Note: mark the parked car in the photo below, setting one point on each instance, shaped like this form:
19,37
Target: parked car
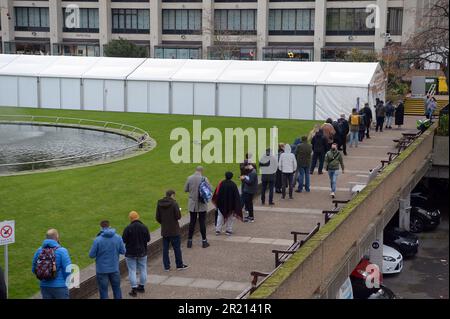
404,241
392,261
359,286
422,219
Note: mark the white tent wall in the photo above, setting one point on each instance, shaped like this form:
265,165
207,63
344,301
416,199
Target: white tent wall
290,102
252,100
71,94
182,98
50,92
137,96
93,94
159,97
332,101
28,91
204,98
229,99
9,95
114,95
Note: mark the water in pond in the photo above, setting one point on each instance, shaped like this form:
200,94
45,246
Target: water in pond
30,143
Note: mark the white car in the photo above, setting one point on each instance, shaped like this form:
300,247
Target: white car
392,261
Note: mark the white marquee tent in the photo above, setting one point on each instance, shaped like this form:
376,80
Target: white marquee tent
264,89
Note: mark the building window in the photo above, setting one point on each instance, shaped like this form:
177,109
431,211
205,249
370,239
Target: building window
231,52
235,21
288,54
130,21
80,20
31,19
395,21
178,53
291,22
336,54
181,21
348,21
76,49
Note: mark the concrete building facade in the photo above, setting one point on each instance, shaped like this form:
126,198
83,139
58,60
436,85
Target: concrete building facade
303,30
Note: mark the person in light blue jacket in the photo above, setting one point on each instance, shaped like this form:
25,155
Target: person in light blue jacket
106,249
57,287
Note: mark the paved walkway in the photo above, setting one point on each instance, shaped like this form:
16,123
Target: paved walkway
223,269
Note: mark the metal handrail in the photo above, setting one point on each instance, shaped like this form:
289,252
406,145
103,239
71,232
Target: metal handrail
145,136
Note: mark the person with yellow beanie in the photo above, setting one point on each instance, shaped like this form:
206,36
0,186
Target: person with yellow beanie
136,237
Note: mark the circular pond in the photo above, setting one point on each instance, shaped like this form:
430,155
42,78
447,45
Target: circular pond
42,146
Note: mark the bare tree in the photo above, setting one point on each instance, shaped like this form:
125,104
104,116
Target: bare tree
430,43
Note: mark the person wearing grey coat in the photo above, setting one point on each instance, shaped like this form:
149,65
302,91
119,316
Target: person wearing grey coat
196,206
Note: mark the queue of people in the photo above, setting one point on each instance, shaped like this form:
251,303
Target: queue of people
295,163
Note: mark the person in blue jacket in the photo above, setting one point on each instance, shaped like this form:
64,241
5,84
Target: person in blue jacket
106,249
55,288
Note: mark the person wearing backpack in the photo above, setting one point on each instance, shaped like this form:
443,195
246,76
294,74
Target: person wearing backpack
136,237
380,112
106,249
333,159
354,120
197,205
52,266
249,190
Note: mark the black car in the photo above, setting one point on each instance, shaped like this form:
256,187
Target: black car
424,219
404,241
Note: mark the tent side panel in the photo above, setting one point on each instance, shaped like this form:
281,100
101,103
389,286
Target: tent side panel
302,102
137,95
332,101
50,93
115,95
278,101
204,98
8,91
182,98
70,94
159,97
28,91
229,100
93,94
252,100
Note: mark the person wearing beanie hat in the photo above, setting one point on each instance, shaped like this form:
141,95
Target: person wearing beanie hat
136,237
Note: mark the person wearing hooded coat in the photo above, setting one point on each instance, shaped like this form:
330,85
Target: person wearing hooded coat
399,114
228,203
278,175
287,166
319,146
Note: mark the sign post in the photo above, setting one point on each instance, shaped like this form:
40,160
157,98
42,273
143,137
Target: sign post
7,236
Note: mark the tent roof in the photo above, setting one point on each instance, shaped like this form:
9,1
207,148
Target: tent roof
70,66
157,69
347,74
252,72
28,65
221,71
113,68
201,70
296,73
7,58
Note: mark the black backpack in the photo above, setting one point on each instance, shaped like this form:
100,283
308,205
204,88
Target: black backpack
46,264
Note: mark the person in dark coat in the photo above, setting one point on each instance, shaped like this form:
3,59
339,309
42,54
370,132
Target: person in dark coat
228,203
249,190
303,156
380,112
2,285
136,237
279,175
269,166
319,146
344,130
399,114
368,119
362,125
168,213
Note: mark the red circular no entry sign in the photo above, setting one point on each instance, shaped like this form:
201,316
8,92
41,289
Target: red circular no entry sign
6,231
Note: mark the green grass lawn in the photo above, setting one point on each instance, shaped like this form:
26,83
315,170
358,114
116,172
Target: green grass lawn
75,200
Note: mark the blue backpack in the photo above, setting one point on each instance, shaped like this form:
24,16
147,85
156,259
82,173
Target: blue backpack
204,191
